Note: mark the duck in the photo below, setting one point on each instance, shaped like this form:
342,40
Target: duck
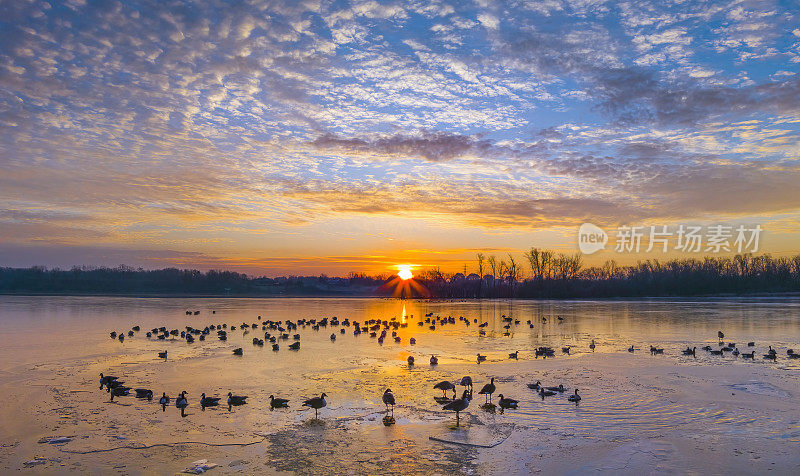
278,402
513,355
458,405
162,355
434,360
144,393
238,351
535,386
316,403
507,402
574,397
481,358
208,401
488,390
388,399
236,399
444,386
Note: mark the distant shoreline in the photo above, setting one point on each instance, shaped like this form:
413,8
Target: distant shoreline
363,296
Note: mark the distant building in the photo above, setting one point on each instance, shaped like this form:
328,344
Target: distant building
473,277
457,277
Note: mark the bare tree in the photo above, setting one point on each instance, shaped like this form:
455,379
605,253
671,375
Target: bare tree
480,258
492,260
534,262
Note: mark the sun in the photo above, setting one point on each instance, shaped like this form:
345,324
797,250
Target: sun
405,272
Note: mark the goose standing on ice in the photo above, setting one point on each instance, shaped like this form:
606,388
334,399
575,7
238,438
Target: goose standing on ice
488,390
458,406
388,399
316,403
163,401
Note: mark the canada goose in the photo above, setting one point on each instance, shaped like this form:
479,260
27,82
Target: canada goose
716,352
772,357
434,360
333,337
412,341
751,344
144,393
388,399
181,402
458,405
119,392
560,388
771,351
294,346
631,349
238,351
106,379
507,402
565,350
481,358
466,381
163,401
513,355
278,402
574,397
592,345
546,393
410,360
690,351
162,355
236,399
751,355
535,386
720,335
316,403
444,386
209,401
488,390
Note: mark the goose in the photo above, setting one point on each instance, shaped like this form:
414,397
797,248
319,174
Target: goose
513,355
106,379
119,392
794,356
434,360
276,347
481,358
236,399
238,351
163,401
278,402
707,348
294,346
592,345
535,386
631,349
113,384
720,335
488,390
412,341
771,351
560,388
181,402
388,399
790,352
565,350
333,337
574,397
316,403
735,352
690,351
772,357
458,405
162,355
751,355
144,393
507,402
751,344
546,393
444,386
208,401
410,360
466,381
716,352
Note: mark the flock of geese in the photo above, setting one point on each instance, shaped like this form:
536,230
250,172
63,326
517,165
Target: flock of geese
276,332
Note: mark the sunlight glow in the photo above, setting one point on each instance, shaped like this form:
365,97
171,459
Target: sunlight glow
405,272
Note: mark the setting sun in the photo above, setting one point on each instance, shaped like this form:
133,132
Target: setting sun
405,272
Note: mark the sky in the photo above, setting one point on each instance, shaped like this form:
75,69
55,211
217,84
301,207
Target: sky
310,137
